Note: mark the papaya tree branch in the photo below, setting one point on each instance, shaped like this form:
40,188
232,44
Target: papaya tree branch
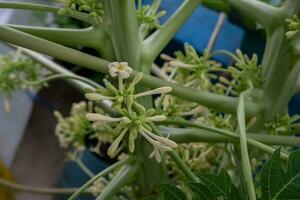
216,101
259,11
69,37
46,8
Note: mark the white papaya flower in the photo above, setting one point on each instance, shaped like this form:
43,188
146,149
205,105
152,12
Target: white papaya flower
119,69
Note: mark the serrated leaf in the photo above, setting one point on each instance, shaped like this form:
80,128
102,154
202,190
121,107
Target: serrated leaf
201,191
171,192
219,185
278,184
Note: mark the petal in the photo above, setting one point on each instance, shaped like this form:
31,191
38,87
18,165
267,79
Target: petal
113,71
131,142
123,74
113,147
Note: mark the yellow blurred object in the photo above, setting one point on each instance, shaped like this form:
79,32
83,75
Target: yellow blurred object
5,173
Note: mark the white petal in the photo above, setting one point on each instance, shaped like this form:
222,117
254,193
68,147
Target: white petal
99,117
113,72
157,118
97,97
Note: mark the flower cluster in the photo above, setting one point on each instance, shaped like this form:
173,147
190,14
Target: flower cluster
293,26
198,156
148,15
245,74
73,130
283,124
134,119
15,70
92,7
191,69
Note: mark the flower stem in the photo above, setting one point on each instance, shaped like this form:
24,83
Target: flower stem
65,76
36,190
125,173
226,133
179,162
99,175
246,166
84,168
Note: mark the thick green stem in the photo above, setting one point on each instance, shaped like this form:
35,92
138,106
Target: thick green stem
124,30
69,37
155,43
45,8
227,133
186,135
122,177
216,101
279,65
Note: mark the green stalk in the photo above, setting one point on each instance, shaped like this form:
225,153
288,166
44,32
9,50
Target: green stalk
84,168
216,101
279,65
185,135
245,161
44,8
69,37
36,190
226,133
108,170
124,30
56,68
65,76
182,166
179,162
79,85
121,178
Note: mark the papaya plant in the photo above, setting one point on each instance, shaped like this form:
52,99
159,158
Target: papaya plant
193,127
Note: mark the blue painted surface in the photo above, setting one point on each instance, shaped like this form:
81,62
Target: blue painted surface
73,176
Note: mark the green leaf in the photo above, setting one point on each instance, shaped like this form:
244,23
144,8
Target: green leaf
201,191
278,184
171,192
219,185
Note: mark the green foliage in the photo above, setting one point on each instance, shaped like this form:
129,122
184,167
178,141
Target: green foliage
278,184
275,183
219,185
172,192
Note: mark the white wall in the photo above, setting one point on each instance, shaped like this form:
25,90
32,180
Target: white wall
13,124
